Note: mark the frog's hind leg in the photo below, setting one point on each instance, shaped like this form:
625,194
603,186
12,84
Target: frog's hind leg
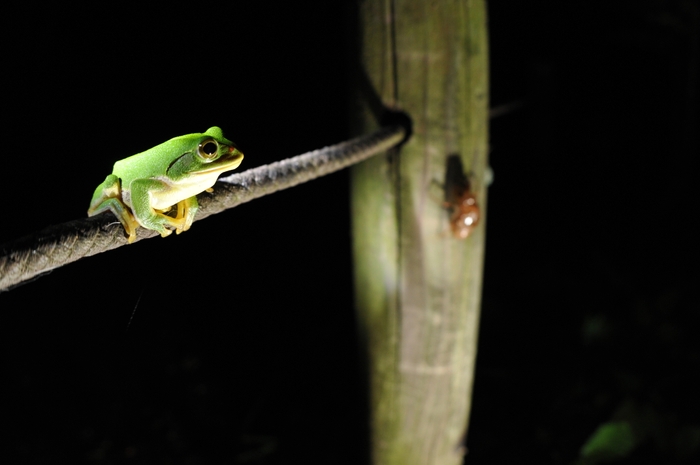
122,213
108,197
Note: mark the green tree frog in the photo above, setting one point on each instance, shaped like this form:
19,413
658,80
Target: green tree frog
157,188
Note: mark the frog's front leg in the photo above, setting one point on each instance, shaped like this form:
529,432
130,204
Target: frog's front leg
186,210
144,194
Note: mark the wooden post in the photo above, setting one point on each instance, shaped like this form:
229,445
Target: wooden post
418,287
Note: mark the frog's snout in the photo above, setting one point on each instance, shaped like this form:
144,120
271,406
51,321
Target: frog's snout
233,151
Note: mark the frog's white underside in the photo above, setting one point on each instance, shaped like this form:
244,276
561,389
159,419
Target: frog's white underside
182,189
177,191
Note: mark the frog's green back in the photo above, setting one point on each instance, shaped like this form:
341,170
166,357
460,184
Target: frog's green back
155,161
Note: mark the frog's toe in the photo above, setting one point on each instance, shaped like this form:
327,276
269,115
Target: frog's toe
179,227
184,226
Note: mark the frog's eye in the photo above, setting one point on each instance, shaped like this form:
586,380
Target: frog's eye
208,149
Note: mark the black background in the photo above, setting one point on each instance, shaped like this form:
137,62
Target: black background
242,346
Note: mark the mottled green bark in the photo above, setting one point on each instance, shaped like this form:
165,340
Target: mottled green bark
418,288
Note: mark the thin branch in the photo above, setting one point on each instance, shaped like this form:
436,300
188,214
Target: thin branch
32,256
